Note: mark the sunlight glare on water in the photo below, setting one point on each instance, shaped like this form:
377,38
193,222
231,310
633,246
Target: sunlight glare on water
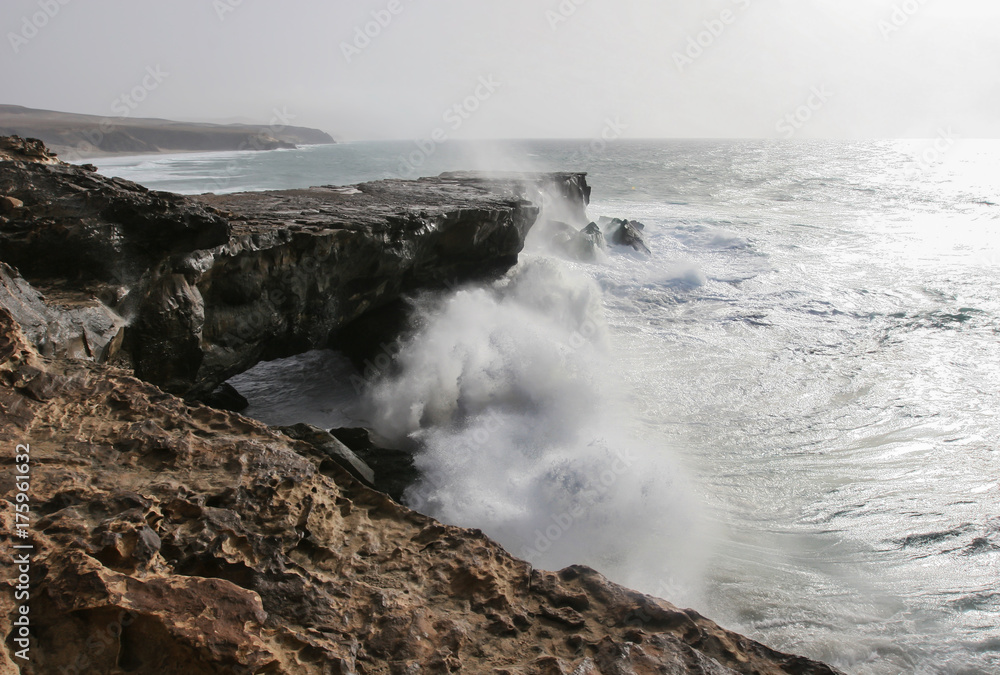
805,376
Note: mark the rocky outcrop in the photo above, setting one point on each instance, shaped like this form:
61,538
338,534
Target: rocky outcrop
625,233
175,539
585,245
327,444
166,537
394,470
66,323
211,286
104,235
302,264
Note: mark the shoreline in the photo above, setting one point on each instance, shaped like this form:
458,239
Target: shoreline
84,157
211,532
91,136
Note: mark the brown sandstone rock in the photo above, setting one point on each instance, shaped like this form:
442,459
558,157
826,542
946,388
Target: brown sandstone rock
178,539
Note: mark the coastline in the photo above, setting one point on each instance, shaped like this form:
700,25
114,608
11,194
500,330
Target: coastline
165,508
90,136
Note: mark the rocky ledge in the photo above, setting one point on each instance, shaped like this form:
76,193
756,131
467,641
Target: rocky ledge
168,537
205,288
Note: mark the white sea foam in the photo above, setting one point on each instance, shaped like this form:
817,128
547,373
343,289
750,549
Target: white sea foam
512,394
806,311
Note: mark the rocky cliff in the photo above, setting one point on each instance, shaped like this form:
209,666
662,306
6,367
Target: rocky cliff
166,537
212,286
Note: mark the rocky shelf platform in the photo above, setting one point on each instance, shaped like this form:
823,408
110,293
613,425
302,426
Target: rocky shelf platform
202,289
169,537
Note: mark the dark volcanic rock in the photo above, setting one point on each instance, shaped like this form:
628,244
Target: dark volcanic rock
394,469
303,264
625,233
585,244
225,397
593,232
563,194
213,285
171,539
327,444
100,232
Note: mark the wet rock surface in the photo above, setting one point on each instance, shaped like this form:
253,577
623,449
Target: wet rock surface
622,232
394,469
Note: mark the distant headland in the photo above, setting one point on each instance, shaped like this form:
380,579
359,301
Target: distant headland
75,136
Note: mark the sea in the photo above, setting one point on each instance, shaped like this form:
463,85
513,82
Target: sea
786,417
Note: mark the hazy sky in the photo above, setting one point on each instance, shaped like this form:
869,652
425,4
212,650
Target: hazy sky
575,68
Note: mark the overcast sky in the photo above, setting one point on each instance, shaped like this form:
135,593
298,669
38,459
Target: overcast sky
882,68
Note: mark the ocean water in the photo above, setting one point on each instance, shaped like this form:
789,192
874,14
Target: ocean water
787,417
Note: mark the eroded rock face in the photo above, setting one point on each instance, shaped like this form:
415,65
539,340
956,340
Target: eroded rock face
302,264
210,286
66,323
175,539
100,233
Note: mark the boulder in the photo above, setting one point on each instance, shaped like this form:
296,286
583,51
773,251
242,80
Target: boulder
584,245
594,234
328,445
225,397
394,469
10,205
625,233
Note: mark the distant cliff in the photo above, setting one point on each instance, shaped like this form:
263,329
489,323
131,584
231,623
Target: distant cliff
72,135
